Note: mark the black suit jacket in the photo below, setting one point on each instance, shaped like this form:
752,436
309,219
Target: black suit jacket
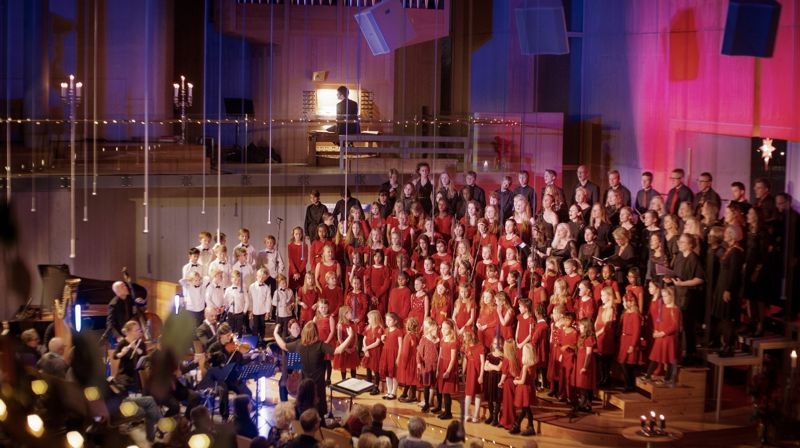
120,310
205,335
347,109
594,192
643,198
684,194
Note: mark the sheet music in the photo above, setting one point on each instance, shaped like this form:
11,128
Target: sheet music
663,271
355,385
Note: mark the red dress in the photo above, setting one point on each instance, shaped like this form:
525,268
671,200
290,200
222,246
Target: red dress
568,363
606,343
359,304
572,282
469,230
390,256
540,341
474,367
487,316
440,311
524,394
480,271
463,314
427,357
506,243
417,309
400,303
665,349
548,283
443,224
447,385
554,361
524,329
298,258
507,330
485,240
507,416
537,295
334,297
631,333
430,279
377,285
506,268
584,309
309,298
391,346
373,361
405,238
348,359
348,274
316,251
323,271
585,380
438,259
324,330
407,367
635,292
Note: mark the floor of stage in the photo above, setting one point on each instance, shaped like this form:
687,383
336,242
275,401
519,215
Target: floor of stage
554,426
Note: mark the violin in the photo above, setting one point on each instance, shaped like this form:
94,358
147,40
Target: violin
242,347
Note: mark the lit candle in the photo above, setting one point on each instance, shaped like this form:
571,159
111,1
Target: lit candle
652,420
63,90
191,86
78,89
176,86
794,359
644,422
663,421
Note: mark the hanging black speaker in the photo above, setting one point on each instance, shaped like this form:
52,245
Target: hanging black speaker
751,28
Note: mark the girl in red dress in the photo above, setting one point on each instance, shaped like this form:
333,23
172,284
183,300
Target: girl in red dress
584,307
298,258
584,378
492,282
325,326
666,336
473,356
390,354
604,329
470,219
308,295
572,275
525,393
593,275
407,368
447,370
332,293
440,303
459,234
551,274
318,244
429,275
524,325
560,296
487,320
510,264
445,275
509,240
359,305
400,298
463,253
371,349
540,341
569,343
464,311
420,253
378,279
404,231
348,359
536,292
635,290
485,261
395,248
429,230
609,280
505,315
327,264
484,238
427,357
420,304
443,222
355,269
512,290
509,369
630,353
441,254
375,220
554,356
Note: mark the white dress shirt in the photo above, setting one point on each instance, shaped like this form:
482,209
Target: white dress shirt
190,267
205,259
272,260
225,267
251,253
215,295
247,274
194,297
236,300
282,299
261,298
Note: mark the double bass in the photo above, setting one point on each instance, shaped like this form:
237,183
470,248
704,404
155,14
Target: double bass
150,322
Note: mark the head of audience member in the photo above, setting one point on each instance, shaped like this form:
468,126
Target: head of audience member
367,440
309,421
242,407
378,413
416,427
57,346
583,173
30,338
455,432
647,180
260,442
676,177
120,289
704,181
201,419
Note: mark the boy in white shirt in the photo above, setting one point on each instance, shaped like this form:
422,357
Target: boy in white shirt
244,268
283,301
193,265
206,253
215,292
221,263
244,242
270,258
261,300
237,303
194,295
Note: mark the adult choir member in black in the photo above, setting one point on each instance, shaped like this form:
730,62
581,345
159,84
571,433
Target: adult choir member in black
689,280
222,353
120,311
346,113
726,301
646,194
312,356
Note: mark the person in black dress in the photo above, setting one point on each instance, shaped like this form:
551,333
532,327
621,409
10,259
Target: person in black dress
757,251
726,305
424,188
312,355
688,281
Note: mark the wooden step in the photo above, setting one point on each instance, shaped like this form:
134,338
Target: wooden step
659,392
693,376
634,405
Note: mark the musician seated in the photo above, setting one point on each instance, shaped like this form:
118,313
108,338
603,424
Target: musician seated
128,352
206,333
166,382
223,353
31,350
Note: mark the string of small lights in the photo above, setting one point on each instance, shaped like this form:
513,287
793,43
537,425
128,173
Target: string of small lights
281,121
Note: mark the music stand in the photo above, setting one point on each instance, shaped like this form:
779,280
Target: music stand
351,387
255,371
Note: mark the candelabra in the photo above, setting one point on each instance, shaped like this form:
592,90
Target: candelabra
183,100
71,96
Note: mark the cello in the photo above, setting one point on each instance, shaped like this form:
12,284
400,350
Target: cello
150,322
